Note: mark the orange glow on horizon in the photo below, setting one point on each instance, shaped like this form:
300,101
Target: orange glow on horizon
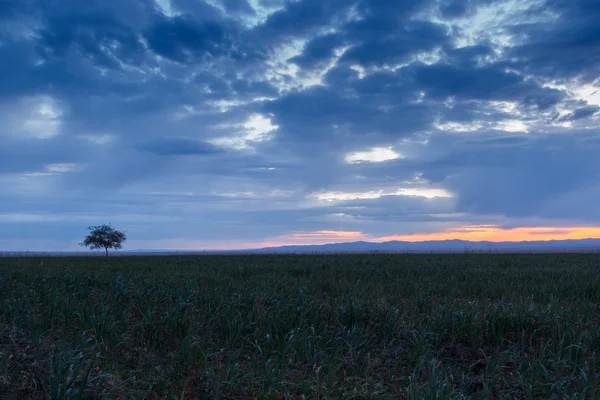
491,233
308,238
293,239
474,233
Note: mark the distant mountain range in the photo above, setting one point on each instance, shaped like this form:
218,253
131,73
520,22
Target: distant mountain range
452,246
437,246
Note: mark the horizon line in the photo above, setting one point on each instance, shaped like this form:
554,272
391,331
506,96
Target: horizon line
299,247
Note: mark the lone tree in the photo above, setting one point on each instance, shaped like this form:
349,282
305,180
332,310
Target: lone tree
104,237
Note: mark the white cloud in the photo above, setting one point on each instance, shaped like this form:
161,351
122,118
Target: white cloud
490,21
512,126
32,117
458,127
63,167
101,139
279,69
166,7
316,78
263,9
362,72
375,155
47,217
589,93
35,174
23,217
220,105
257,128
428,193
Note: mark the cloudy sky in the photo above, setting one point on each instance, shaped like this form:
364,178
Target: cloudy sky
214,124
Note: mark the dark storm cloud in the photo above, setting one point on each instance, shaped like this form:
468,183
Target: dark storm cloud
25,156
451,9
239,114
326,115
238,7
563,48
454,9
319,50
539,170
198,9
485,83
469,56
7,8
498,141
184,39
103,39
389,9
580,113
178,147
299,18
382,35
221,86
396,46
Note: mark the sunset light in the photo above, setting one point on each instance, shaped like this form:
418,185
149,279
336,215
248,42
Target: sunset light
300,199
491,233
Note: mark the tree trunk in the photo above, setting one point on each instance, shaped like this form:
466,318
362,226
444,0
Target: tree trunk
106,249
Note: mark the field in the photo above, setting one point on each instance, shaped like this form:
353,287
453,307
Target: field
478,326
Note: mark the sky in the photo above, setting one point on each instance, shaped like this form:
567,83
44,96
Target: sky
224,124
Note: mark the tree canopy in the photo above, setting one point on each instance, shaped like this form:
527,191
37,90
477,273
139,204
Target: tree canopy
104,237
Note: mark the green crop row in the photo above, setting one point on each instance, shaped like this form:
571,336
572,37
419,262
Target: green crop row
481,326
